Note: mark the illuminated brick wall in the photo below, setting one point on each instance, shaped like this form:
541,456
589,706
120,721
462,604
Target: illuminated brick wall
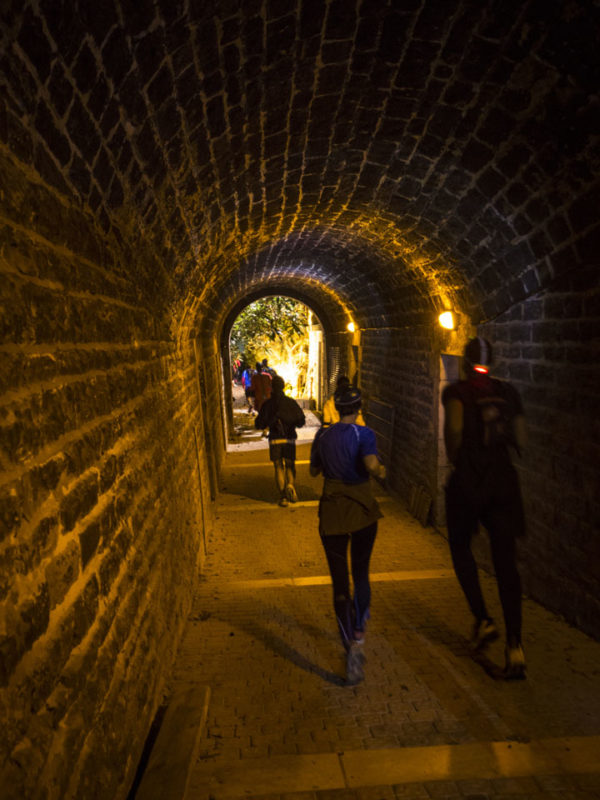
100,526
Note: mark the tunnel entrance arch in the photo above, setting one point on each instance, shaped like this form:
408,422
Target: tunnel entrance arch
285,333
321,354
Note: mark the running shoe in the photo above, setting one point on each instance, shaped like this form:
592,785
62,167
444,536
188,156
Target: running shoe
515,663
354,664
291,494
484,633
283,501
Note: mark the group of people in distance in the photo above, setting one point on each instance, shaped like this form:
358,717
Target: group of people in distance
483,422
257,384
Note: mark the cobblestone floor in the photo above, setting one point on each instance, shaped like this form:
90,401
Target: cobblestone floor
282,723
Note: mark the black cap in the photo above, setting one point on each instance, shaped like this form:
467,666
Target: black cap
348,400
479,351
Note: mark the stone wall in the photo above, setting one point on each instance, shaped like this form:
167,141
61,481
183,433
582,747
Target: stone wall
211,382
99,535
400,368
549,348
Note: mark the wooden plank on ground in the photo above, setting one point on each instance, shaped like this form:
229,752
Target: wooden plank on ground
176,748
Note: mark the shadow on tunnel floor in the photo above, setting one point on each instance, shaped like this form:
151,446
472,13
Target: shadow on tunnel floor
260,485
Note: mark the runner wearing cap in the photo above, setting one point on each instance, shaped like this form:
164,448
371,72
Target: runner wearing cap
330,413
346,454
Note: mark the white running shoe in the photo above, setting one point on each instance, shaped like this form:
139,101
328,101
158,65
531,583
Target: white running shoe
354,664
484,632
291,494
515,663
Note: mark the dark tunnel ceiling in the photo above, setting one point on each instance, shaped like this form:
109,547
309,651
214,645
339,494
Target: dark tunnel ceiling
399,154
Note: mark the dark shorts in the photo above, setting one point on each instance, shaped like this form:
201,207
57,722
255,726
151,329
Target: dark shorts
287,451
249,392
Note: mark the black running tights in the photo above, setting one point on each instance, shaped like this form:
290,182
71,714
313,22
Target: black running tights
462,523
351,613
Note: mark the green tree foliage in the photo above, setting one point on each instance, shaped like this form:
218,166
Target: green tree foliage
265,325
275,328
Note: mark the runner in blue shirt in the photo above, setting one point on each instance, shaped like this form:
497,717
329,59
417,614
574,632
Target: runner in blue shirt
346,454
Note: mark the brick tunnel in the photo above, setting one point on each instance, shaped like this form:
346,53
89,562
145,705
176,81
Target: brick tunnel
165,162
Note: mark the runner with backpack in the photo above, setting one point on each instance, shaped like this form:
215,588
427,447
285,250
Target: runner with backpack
282,415
483,422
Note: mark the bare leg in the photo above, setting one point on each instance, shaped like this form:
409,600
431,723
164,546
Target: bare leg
280,475
290,479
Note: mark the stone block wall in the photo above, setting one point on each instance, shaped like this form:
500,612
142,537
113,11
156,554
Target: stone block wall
99,489
211,381
548,346
400,368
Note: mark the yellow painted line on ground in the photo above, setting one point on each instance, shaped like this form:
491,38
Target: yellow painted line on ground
232,465
320,580
413,575
264,506
258,505
401,765
275,583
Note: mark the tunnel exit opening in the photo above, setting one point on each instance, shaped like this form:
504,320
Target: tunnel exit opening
273,331
288,335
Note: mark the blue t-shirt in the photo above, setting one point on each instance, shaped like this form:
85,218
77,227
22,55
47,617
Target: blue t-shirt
247,378
339,451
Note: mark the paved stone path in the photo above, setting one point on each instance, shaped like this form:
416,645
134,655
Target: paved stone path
427,722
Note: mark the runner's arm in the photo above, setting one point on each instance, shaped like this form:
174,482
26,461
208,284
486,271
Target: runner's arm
374,466
316,465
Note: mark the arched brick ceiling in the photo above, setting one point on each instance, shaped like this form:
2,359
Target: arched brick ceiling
328,270
398,154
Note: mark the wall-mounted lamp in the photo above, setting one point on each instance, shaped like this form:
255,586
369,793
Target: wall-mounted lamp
351,327
448,320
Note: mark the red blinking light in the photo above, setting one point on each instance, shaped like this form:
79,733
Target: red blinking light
481,369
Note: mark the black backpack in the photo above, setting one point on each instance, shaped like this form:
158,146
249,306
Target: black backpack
493,412
288,415
277,429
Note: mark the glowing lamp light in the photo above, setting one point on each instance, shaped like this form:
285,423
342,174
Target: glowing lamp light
351,327
447,320
481,368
